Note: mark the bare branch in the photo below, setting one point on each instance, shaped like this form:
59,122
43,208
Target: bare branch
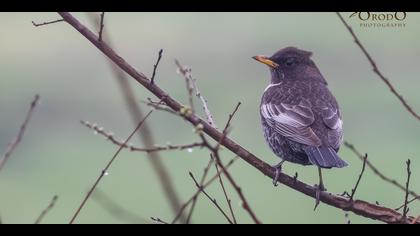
158,220
105,170
152,80
101,27
47,23
110,136
191,86
46,210
408,203
205,142
238,189
228,200
12,146
160,107
353,191
146,136
191,200
376,70
215,152
415,220
195,198
406,209
190,90
210,198
186,72
225,129
359,207
377,172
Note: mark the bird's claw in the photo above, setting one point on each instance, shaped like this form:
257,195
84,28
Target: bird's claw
276,178
318,188
278,168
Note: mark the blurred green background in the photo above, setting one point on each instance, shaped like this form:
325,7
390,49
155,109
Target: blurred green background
60,156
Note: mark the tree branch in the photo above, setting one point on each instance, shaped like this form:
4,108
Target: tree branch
359,207
353,191
245,204
194,201
406,209
47,23
186,72
46,210
228,200
146,136
191,200
158,220
211,199
101,27
377,172
12,146
105,170
152,80
110,136
376,70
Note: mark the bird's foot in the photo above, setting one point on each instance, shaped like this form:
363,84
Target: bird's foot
278,168
318,188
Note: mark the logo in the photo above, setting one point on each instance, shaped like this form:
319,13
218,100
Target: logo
380,19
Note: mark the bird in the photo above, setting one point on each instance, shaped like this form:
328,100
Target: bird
301,120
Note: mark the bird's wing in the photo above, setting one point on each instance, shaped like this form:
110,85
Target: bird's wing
292,121
332,119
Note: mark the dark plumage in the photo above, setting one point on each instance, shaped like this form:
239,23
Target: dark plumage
301,119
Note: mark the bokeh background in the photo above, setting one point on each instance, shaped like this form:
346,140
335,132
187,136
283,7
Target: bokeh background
58,156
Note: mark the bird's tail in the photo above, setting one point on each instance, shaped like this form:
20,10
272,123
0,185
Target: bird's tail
324,157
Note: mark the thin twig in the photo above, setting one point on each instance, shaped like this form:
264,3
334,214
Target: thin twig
203,178
152,80
158,220
228,200
160,107
191,86
408,203
105,170
115,209
146,136
46,210
359,207
101,26
190,90
186,72
215,151
210,198
110,136
195,195
415,220
12,146
47,23
376,70
225,129
407,185
353,191
377,172
238,189
205,143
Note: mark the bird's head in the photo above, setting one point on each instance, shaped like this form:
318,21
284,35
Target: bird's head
289,63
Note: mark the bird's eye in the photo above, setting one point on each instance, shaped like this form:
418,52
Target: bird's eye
290,61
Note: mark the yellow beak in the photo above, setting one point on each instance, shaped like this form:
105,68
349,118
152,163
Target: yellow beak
265,60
